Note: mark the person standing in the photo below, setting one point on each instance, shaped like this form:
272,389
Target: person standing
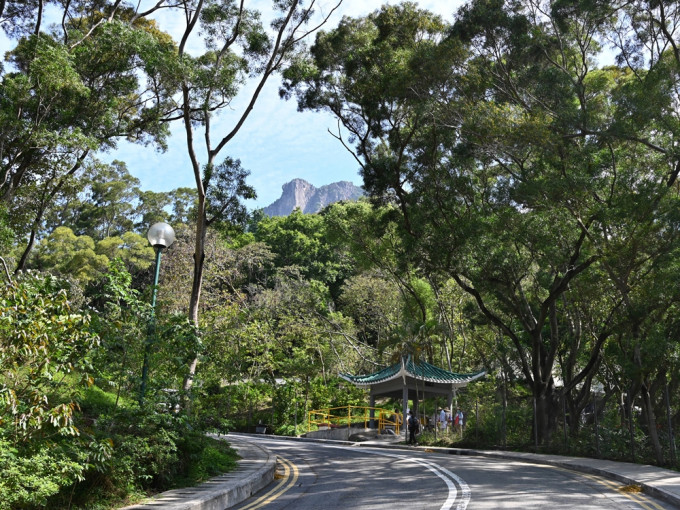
413,428
458,421
442,420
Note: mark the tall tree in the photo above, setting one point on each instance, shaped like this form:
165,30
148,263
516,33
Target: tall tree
506,162
107,204
237,46
302,241
74,90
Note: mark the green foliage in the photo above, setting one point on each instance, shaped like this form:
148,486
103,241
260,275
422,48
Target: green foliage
132,248
67,254
227,188
44,360
6,234
136,451
179,341
301,242
206,457
109,192
43,340
65,99
30,478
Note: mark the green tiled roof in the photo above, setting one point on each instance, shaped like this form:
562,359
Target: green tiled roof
421,370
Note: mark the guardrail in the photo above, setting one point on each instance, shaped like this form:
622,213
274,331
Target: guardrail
346,416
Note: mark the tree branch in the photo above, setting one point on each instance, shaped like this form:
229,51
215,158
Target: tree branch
7,275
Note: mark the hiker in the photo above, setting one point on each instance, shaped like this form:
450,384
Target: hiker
458,421
413,428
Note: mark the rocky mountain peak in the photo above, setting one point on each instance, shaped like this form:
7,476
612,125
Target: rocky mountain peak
300,194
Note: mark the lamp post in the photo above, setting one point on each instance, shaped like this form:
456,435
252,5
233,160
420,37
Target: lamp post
160,235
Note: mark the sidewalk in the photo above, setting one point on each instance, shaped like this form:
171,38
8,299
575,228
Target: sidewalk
255,470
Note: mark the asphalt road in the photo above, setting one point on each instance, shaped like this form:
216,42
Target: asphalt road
314,476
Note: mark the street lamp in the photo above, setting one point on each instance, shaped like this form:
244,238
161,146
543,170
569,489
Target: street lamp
160,235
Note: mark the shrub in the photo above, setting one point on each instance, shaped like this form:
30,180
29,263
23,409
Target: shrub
29,479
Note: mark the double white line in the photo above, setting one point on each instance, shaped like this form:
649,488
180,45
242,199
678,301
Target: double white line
290,476
450,479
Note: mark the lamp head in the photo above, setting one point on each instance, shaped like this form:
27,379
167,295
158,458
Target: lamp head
161,235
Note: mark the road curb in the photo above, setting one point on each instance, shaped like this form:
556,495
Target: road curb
255,470
578,464
572,465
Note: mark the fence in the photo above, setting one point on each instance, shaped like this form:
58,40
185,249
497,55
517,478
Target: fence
346,416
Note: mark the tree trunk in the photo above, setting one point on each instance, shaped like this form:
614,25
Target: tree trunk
651,425
546,414
199,260
194,303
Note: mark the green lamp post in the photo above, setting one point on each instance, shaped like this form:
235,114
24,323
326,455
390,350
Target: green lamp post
160,235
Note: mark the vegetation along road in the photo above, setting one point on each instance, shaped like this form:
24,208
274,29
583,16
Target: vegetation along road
520,161
315,476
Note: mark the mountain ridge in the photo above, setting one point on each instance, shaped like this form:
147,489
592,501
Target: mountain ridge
302,195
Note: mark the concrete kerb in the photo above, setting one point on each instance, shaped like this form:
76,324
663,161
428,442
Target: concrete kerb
608,469
255,470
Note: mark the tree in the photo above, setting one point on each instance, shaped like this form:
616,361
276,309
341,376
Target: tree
152,209
302,241
645,36
43,340
67,254
108,205
46,347
73,91
509,164
237,46
119,360
373,301
131,248
183,206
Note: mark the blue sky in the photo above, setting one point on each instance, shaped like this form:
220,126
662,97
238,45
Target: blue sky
276,144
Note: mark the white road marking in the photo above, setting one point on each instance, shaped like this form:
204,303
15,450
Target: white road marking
443,473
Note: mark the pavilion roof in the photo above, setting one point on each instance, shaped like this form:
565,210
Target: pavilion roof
418,370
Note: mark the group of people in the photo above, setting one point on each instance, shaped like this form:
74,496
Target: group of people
442,418
446,421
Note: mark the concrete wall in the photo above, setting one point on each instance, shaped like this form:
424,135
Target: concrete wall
339,434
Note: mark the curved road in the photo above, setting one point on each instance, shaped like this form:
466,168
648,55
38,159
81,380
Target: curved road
318,476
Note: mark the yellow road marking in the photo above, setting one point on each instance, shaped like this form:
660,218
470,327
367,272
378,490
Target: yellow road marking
637,497
634,496
287,481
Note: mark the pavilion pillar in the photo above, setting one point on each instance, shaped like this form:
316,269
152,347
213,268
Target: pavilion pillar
372,411
452,397
404,396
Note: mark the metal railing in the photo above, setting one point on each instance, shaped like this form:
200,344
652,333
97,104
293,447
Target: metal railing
346,416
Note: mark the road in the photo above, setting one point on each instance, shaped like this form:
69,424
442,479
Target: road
318,476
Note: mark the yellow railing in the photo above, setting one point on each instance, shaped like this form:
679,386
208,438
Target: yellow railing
334,417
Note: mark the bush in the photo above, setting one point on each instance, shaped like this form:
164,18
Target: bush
207,457
152,452
29,479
